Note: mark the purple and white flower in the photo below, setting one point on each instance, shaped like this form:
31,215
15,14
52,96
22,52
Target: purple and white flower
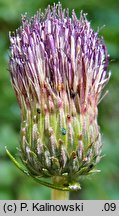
58,68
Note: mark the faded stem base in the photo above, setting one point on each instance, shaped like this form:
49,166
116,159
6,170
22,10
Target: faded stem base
58,194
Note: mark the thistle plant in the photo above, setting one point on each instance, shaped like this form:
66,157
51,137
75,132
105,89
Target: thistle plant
58,68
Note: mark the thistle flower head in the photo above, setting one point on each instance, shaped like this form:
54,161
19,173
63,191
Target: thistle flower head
58,68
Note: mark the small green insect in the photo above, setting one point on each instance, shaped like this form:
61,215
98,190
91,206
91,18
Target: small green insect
63,131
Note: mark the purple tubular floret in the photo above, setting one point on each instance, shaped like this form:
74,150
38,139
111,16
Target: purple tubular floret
54,48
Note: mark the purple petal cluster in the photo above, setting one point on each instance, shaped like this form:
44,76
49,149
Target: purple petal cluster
61,53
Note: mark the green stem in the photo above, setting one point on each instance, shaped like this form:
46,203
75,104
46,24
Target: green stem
58,194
